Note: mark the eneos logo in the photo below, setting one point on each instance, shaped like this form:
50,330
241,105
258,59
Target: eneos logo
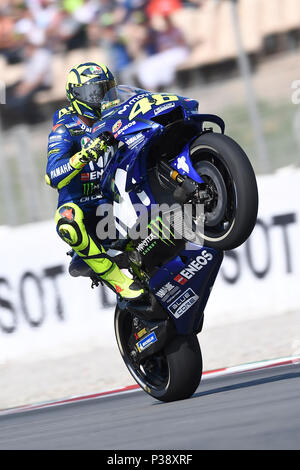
193,267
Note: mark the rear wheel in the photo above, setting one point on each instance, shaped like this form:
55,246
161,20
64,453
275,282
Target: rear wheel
170,374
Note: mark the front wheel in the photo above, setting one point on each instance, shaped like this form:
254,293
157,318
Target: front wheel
170,374
231,205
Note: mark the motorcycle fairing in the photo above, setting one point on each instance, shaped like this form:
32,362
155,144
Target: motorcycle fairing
132,156
137,128
185,298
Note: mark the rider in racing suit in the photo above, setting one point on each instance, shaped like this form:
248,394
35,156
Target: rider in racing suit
75,164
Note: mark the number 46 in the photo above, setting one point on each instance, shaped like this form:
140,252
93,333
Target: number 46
144,105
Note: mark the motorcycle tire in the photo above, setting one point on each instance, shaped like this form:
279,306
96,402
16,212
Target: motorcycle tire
231,214
171,374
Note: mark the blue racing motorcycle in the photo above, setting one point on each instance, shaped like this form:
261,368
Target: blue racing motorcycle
170,156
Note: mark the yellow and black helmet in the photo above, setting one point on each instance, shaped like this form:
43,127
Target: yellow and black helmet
91,88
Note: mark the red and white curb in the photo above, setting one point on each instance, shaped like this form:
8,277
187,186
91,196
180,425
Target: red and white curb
132,388
283,361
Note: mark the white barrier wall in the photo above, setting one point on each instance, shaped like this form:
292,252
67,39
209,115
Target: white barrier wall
261,278
45,312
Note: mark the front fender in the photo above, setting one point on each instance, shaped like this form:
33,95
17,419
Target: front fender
200,119
183,164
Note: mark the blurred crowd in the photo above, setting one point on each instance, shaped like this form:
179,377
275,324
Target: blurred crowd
141,42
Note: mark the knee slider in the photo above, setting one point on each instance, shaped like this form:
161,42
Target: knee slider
69,217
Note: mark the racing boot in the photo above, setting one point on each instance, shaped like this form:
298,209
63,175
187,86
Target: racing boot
127,288
110,273
70,226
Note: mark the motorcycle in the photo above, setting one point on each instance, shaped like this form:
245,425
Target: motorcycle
168,153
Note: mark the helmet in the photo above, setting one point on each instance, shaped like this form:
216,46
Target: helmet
91,88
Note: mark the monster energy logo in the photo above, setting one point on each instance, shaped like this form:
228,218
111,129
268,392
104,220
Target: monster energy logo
146,245
158,230
161,230
89,189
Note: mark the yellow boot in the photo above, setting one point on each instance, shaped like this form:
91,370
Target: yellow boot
122,284
71,228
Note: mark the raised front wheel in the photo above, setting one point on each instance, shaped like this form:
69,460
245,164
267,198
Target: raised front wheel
231,203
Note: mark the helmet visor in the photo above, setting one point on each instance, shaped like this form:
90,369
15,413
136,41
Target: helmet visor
95,93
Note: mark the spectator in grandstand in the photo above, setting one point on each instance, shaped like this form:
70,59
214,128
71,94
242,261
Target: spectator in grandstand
43,12
130,6
36,77
11,40
158,71
162,7
70,34
137,36
64,23
106,32
8,40
86,13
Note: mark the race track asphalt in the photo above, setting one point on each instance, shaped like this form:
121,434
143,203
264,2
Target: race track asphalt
258,409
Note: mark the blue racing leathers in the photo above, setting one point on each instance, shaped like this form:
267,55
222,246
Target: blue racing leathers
78,187
79,190
69,134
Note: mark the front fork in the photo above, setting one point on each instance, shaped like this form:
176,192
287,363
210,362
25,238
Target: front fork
185,186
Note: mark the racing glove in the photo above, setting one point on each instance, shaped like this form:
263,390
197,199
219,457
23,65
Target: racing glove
88,153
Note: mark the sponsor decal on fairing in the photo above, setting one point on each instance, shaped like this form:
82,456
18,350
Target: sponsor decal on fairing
146,342
183,303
